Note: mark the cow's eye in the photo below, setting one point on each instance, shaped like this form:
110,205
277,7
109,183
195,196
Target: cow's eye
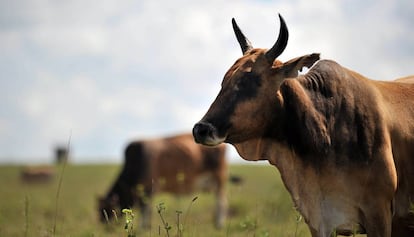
247,86
243,83
249,80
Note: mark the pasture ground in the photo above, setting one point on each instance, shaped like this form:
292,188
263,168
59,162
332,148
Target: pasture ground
260,206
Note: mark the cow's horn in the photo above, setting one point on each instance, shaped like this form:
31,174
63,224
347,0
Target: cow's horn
243,41
281,42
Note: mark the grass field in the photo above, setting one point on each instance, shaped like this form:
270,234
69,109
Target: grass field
260,206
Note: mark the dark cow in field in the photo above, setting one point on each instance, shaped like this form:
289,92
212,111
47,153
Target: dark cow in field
174,164
342,143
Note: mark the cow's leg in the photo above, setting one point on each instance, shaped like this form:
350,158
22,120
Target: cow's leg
146,214
321,233
378,203
378,221
144,203
221,209
220,215
314,233
403,226
324,230
126,197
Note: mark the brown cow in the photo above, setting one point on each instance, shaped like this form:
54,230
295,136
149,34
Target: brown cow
342,143
37,174
174,164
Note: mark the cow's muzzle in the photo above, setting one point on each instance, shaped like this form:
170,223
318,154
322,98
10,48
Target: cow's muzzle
206,134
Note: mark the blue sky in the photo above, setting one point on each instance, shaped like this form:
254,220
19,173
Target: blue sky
102,73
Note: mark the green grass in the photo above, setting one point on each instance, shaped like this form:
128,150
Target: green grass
259,207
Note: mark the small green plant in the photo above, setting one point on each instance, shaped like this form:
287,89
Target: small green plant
411,208
298,220
264,233
179,223
354,232
160,209
180,227
334,234
129,222
248,224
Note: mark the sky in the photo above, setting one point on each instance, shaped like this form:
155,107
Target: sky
94,75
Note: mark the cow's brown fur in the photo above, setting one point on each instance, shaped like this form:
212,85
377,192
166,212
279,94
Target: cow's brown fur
174,164
343,143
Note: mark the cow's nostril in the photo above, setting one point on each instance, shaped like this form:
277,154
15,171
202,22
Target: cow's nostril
201,131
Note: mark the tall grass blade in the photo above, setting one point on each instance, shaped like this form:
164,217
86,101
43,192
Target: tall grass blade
26,215
60,186
188,210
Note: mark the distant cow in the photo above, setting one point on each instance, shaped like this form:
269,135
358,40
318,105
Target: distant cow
343,144
37,174
174,164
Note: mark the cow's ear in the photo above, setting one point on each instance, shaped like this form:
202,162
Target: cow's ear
291,67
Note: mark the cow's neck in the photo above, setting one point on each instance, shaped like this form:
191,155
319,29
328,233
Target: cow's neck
254,149
295,173
276,153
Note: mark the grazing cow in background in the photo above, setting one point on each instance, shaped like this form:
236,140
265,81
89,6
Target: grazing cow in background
174,164
342,143
37,174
